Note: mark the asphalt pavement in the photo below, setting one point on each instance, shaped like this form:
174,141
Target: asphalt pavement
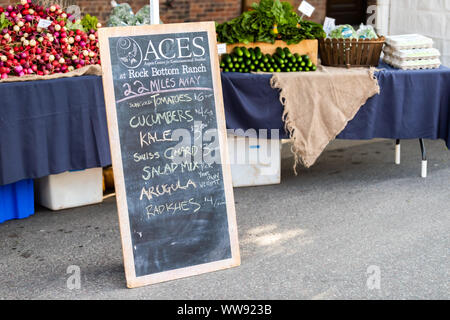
354,226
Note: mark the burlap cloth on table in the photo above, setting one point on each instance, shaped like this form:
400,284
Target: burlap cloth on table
318,105
95,70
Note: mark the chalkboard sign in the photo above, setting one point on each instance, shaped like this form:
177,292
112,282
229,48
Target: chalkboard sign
168,143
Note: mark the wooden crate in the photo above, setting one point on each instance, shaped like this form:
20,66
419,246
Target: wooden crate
351,52
309,47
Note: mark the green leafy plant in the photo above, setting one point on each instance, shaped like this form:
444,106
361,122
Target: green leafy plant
89,22
75,25
268,21
4,22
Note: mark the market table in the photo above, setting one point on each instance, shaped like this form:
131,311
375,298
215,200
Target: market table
412,104
52,126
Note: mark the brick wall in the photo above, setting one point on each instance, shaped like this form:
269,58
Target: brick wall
179,11
430,18
191,10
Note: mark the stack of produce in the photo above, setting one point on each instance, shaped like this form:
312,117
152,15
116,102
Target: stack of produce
346,47
346,31
26,49
253,60
411,51
269,20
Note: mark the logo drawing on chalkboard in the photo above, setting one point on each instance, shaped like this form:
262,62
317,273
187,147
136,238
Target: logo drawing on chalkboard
129,53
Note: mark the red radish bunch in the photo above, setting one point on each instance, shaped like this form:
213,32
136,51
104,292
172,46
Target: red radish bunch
26,49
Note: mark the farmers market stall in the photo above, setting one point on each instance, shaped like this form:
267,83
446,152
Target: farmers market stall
412,104
52,126
315,103
47,126
65,128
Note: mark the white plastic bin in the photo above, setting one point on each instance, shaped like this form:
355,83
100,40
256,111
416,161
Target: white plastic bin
254,162
70,189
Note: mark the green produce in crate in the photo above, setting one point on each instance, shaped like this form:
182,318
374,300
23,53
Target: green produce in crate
268,21
345,31
246,60
280,52
246,53
238,51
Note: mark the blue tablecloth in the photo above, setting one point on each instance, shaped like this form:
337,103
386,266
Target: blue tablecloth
412,104
52,126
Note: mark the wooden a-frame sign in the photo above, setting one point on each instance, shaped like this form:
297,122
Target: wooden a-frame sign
176,219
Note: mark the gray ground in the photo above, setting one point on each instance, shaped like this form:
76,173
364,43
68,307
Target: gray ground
315,236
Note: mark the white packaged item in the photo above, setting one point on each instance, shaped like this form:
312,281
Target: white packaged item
366,32
409,41
413,54
254,161
70,189
411,64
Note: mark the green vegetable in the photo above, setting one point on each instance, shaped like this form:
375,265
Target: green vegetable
248,62
122,15
238,51
280,52
89,22
258,25
345,31
366,32
4,22
287,52
277,60
76,25
227,58
246,52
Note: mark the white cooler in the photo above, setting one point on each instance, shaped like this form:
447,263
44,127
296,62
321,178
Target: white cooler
254,162
70,189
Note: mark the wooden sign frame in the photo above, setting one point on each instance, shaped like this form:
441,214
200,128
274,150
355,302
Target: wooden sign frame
124,222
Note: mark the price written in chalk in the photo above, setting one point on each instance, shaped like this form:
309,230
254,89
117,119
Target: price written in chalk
306,9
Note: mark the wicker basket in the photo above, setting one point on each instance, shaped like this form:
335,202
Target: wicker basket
350,53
